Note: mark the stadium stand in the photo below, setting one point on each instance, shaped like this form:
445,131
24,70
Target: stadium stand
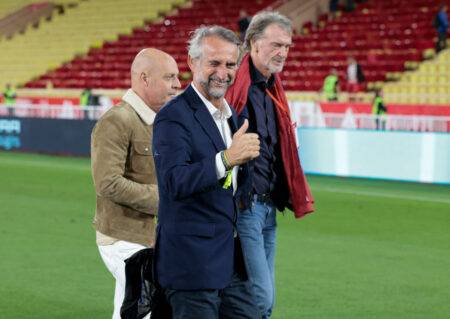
381,37
108,66
384,39
83,52
430,83
35,52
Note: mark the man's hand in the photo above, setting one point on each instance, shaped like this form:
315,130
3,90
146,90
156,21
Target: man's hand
244,147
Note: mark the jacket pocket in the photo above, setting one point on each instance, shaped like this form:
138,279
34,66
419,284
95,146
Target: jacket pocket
141,159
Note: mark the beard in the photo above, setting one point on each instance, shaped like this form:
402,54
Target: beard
276,65
216,92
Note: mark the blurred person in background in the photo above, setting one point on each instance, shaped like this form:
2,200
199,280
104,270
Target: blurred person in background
123,167
350,5
331,86
333,7
379,109
355,77
441,24
9,97
243,22
276,179
85,98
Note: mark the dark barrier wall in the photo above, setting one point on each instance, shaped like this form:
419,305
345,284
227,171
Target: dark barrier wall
51,136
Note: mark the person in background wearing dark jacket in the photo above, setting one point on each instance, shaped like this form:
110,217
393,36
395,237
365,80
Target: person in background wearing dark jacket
355,77
441,25
333,7
276,178
243,22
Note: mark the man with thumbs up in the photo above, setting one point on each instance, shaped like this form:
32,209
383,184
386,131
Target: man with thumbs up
200,155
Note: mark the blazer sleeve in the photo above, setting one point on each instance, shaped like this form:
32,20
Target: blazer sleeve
109,149
181,170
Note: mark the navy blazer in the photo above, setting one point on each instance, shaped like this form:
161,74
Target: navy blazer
196,215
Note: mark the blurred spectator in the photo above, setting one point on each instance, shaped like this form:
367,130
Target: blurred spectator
86,97
441,24
333,6
9,96
355,77
331,86
350,5
379,109
243,23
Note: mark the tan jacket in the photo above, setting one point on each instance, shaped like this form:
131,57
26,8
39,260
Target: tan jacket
124,172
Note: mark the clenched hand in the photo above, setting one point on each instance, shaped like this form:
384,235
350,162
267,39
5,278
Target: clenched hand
244,146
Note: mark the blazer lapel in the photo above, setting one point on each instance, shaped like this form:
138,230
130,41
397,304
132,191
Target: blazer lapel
204,118
232,122
209,126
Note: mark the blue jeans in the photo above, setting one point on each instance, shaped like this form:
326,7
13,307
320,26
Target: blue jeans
257,230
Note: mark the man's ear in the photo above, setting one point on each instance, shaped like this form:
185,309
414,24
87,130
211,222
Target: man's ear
191,63
144,77
254,45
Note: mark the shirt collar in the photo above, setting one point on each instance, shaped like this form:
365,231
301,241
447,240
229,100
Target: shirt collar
258,78
142,109
214,111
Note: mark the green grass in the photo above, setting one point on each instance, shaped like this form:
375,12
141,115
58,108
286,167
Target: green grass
373,249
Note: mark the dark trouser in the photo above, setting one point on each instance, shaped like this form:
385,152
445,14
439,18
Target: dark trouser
380,123
233,302
442,41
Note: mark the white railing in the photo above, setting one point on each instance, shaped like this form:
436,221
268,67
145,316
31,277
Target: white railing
309,116
416,123
68,111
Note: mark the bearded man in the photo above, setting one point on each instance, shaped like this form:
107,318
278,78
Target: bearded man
200,152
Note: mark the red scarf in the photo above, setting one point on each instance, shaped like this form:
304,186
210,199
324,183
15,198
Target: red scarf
237,94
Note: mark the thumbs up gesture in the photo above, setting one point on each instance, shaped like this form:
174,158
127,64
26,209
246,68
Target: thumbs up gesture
244,146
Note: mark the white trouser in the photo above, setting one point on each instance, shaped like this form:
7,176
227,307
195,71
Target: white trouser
114,258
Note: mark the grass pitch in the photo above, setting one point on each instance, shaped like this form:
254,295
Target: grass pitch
373,249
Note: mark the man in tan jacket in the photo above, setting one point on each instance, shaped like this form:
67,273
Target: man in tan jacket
123,168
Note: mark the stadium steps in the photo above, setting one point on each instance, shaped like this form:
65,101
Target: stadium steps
429,84
29,15
87,25
10,6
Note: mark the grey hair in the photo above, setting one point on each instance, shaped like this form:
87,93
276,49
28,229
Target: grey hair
261,21
195,43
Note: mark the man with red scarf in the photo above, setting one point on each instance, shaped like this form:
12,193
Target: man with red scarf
276,177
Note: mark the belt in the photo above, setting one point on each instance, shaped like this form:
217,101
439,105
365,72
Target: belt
262,198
